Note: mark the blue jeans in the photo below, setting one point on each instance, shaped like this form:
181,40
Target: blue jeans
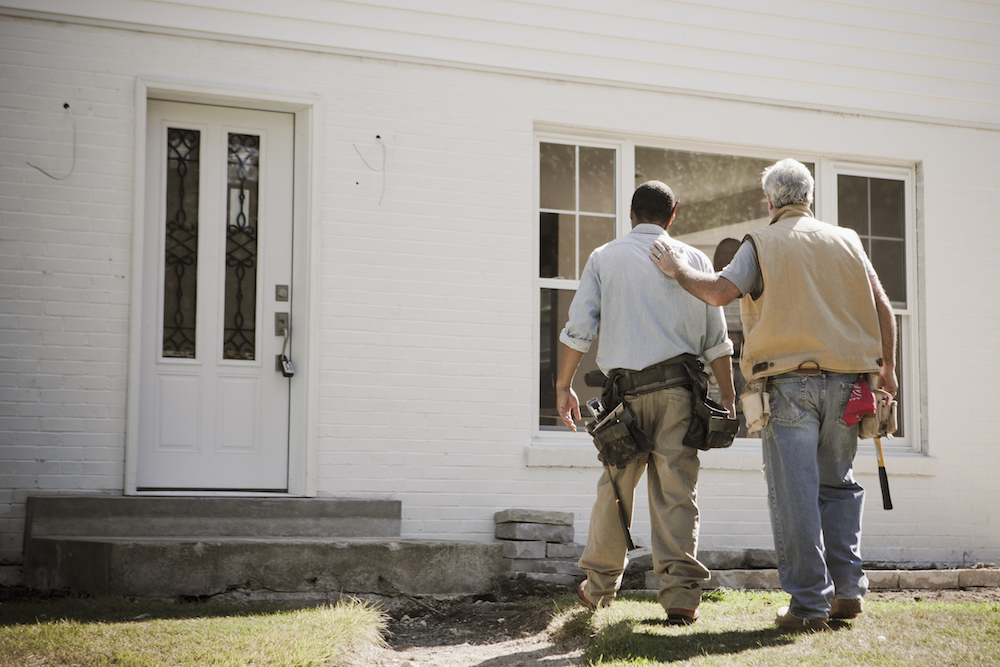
814,501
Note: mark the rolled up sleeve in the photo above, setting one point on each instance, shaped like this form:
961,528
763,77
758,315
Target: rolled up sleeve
584,312
717,335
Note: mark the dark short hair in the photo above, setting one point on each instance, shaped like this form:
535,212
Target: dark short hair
653,201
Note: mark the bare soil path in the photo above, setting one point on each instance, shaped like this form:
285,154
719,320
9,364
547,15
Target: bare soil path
508,630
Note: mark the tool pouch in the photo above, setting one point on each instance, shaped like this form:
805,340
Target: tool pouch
755,403
883,422
618,438
711,426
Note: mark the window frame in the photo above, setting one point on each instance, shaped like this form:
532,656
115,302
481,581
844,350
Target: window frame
622,226
906,316
825,207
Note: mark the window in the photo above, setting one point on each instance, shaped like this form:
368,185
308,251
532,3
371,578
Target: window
720,201
874,204
577,213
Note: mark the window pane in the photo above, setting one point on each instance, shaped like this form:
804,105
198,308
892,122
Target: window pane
588,380
875,208
887,208
241,247
720,195
594,232
557,177
597,180
852,204
889,260
557,246
180,278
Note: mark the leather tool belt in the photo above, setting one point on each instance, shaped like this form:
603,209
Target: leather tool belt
616,432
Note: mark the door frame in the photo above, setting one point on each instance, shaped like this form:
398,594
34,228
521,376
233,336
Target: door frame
302,419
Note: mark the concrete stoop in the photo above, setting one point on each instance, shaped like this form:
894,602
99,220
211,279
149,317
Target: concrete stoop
257,548
261,569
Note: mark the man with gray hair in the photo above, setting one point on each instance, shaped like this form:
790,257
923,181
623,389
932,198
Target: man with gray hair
815,319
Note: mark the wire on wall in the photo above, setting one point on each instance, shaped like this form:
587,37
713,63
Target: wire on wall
72,166
378,138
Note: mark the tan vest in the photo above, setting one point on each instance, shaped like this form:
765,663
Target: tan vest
817,309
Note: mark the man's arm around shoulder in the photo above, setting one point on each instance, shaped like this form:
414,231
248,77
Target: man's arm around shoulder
711,288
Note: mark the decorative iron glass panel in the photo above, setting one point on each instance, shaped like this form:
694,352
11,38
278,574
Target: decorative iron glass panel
241,247
180,278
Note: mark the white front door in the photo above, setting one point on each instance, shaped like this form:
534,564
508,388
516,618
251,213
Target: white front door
217,294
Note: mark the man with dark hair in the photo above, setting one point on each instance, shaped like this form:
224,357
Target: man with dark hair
649,328
815,319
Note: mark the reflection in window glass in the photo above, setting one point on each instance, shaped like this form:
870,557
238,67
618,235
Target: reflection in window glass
589,378
720,201
557,245
874,208
594,232
597,180
557,176
569,233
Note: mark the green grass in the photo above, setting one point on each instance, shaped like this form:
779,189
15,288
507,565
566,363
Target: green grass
126,633
737,628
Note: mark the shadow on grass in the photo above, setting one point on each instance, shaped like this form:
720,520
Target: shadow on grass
631,640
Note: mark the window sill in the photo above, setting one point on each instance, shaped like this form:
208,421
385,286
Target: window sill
574,452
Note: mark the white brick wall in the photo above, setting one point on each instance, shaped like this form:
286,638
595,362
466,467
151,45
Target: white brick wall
426,299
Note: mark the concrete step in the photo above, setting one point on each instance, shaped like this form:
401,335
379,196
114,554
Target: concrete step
300,568
119,516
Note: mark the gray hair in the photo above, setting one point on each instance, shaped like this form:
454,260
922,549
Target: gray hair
787,182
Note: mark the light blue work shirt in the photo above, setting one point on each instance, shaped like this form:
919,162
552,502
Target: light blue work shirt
644,317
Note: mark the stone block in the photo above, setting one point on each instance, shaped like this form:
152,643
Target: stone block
547,565
883,579
534,516
979,577
745,579
721,559
517,549
558,579
928,579
560,550
760,559
534,531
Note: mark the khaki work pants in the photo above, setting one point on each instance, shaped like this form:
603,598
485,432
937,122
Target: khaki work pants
672,480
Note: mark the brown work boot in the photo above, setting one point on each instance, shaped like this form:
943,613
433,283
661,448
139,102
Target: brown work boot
677,616
582,596
786,621
845,608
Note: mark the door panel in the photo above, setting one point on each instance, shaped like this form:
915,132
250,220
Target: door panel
213,405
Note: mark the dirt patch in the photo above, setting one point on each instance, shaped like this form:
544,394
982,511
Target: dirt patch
511,628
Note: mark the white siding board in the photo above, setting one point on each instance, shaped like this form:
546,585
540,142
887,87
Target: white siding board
937,59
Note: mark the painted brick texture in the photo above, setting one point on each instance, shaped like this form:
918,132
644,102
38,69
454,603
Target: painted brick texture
426,295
